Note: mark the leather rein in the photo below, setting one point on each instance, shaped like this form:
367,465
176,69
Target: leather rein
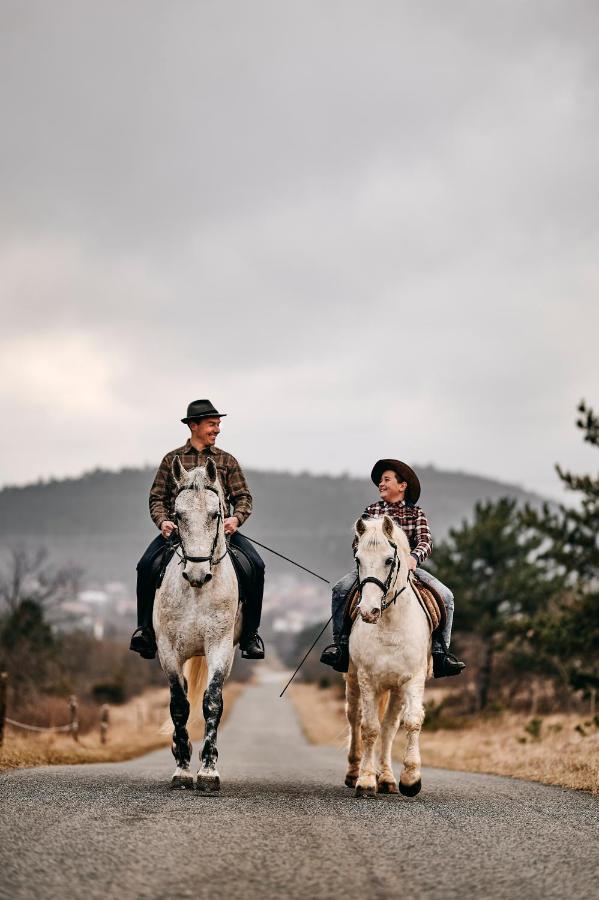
383,585
184,557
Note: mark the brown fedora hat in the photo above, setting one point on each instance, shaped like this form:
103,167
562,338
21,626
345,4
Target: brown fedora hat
201,409
403,471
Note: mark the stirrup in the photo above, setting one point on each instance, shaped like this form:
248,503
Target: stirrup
143,641
253,648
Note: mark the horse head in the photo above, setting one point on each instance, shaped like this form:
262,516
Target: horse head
381,559
198,515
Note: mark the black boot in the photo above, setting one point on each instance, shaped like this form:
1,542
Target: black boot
337,655
252,647
143,641
445,663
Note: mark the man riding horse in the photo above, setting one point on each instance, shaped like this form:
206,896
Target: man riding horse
399,488
204,424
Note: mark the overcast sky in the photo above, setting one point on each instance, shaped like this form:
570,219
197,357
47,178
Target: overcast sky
362,229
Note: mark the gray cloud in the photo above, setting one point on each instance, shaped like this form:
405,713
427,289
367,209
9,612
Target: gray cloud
363,228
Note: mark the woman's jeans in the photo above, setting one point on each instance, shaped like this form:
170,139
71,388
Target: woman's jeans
345,584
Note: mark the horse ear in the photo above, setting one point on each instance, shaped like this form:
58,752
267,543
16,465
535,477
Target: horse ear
388,527
178,471
211,470
360,527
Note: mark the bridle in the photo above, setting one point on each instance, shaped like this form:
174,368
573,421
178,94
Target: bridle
184,557
383,585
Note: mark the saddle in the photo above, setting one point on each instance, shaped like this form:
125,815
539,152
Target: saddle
245,571
430,601
244,568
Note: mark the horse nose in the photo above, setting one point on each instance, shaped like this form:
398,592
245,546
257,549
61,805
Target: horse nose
375,612
185,576
207,578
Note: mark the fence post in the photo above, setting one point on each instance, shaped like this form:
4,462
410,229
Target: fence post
74,707
3,684
104,720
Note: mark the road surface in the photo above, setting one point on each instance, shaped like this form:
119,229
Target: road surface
285,826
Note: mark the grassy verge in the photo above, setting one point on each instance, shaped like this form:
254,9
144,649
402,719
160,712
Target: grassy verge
559,749
134,729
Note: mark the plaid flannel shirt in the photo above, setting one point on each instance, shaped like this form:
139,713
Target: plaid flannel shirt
232,479
413,521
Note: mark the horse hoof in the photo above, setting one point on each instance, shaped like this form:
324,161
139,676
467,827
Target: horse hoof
410,790
367,793
182,782
350,781
387,787
208,784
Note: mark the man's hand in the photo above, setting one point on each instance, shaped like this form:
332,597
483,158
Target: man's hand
412,564
167,528
231,525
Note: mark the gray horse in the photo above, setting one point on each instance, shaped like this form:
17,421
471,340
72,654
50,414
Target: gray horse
197,619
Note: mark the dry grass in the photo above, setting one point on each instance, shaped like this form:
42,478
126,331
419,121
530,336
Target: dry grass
134,729
565,752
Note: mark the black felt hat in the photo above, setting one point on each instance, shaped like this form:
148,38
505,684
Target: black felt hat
201,409
403,471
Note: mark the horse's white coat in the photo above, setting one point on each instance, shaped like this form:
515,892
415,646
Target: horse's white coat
196,614
390,661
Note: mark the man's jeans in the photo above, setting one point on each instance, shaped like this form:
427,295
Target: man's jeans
345,584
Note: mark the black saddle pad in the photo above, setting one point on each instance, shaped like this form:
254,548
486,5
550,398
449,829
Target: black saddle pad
244,569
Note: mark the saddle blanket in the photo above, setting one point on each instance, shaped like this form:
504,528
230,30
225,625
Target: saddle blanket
431,602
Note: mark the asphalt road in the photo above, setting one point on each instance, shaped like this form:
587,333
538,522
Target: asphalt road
285,826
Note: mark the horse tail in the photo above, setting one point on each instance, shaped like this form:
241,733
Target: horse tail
196,673
383,701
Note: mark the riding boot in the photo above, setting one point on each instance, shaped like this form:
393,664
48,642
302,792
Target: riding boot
336,655
445,663
143,640
250,643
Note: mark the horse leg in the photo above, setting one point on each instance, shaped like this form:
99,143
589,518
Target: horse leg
386,780
353,711
182,777
218,669
370,727
410,778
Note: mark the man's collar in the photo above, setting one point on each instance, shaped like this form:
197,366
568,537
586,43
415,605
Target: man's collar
189,448
396,503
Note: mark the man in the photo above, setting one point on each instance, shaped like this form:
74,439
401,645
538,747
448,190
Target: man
399,488
204,424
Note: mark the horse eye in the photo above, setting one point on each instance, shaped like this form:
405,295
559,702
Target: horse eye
389,561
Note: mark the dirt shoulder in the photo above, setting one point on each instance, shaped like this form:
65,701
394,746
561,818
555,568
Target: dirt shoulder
555,749
134,729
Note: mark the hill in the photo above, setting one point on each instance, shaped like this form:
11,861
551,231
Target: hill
100,521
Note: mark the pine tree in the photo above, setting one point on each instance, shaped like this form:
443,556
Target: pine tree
491,566
568,636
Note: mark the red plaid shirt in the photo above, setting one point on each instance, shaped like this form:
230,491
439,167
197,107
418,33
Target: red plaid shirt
413,521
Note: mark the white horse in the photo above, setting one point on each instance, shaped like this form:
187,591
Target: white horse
389,647
197,619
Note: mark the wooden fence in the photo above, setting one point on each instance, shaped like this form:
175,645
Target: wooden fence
71,727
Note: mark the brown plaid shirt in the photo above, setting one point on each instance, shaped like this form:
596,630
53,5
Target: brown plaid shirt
232,479
413,521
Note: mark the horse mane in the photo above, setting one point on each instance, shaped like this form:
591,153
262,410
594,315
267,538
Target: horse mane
375,538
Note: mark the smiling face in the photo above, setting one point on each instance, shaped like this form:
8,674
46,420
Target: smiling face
204,432
391,488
